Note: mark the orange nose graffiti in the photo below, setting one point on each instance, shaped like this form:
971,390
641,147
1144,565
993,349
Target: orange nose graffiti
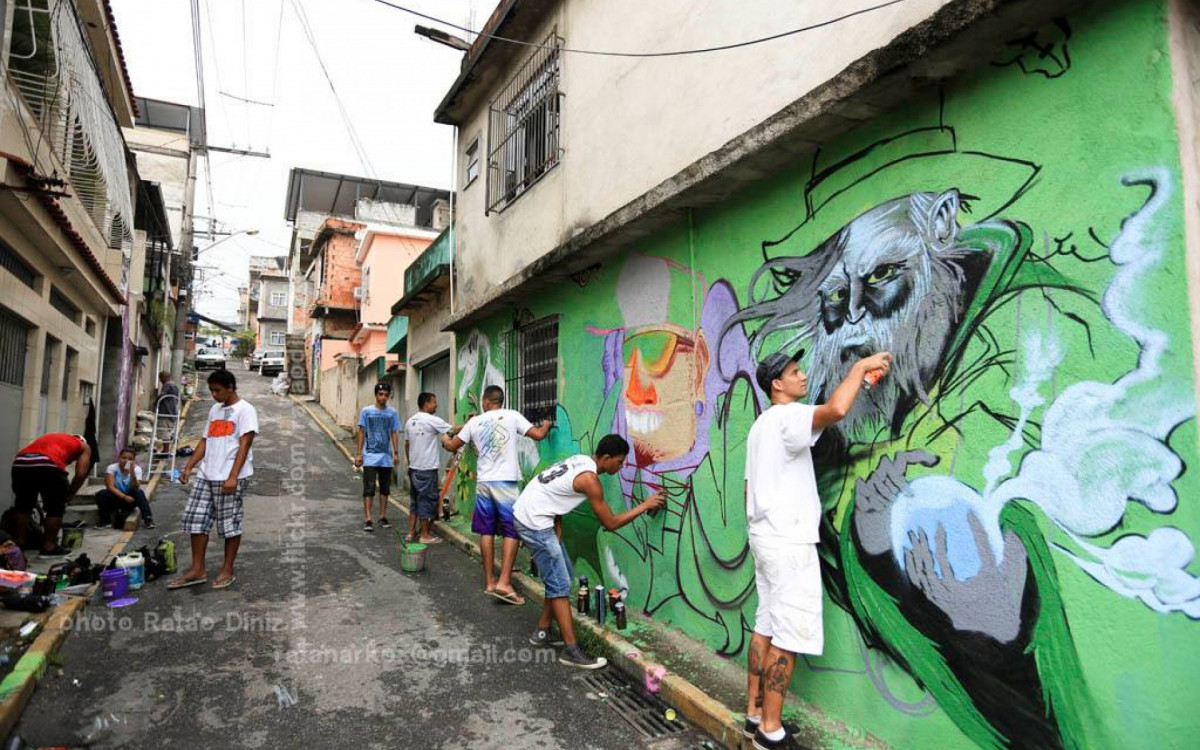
637,394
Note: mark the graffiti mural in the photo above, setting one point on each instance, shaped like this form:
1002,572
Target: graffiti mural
1009,535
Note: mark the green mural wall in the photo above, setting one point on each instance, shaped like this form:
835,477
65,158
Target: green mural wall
1009,537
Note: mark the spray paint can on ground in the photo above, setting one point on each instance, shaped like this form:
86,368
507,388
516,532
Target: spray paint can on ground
581,600
619,614
598,595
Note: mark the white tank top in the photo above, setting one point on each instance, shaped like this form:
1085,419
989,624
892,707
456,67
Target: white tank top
552,493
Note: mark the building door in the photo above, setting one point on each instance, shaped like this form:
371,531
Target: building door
14,339
435,379
49,357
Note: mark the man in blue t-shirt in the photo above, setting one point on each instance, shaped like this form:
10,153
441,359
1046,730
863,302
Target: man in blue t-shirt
378,451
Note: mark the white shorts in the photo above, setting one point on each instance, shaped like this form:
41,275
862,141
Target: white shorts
788,580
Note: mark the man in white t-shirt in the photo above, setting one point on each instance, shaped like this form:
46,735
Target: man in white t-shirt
783,511
538,516
494,435
226,464
422,439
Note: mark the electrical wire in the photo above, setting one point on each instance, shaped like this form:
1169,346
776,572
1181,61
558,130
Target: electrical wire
672,53
355,141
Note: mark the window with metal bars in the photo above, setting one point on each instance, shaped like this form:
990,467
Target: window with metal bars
11,262
60,302
523,127
14,339
531,368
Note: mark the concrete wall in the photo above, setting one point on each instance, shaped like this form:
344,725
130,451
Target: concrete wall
615,153
339,391
1009,525
427,342
271,285
383,259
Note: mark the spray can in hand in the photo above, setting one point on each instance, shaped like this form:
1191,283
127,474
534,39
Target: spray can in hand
581,600
871,378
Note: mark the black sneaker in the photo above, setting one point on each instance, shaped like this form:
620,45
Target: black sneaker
573,656
149,523
546,638
56,552
785,743
385,523
749,728
103,522
368,527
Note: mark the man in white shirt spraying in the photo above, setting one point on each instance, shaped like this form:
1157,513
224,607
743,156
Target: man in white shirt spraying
226,464
422,436
783,511
546,499
494,434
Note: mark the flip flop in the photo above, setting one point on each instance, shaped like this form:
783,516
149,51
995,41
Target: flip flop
217,585
433,540
511,597
183,583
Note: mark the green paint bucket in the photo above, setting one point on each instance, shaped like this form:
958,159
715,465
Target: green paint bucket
412,556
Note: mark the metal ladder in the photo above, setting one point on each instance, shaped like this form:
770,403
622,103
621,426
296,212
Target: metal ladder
168,438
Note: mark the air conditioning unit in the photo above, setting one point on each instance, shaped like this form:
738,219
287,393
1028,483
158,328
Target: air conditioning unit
358,292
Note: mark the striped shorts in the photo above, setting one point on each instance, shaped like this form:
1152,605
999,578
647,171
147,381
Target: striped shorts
207,504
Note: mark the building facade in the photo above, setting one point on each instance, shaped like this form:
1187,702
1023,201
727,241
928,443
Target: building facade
1002,194
66,218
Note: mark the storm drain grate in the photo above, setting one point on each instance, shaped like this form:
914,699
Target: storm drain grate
643,712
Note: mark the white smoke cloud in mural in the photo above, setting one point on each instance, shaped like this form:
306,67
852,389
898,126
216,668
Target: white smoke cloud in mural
1152,569
1103,446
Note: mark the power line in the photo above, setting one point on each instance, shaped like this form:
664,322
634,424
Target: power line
672,53
355,141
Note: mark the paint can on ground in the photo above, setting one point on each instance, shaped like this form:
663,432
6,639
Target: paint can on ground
412,556
114,582
136,565
598,596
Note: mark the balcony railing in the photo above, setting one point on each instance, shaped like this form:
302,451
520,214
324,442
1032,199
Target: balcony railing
428,262
52,66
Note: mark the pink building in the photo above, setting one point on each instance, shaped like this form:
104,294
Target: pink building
383,255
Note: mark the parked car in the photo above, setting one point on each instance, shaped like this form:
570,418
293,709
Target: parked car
256,359
272,362
210,359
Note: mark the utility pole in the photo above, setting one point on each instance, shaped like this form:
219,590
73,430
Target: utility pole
183,303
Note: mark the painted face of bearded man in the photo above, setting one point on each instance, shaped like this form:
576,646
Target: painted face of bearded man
893,279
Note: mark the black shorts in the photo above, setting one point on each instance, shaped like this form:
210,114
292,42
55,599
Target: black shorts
48,481
381,473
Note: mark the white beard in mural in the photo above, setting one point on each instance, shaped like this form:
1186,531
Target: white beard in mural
894,279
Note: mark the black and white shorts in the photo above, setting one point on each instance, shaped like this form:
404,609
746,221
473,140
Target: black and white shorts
206,504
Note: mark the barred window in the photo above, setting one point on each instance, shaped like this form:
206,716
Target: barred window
64,305
14,340
13,263
531,368
523,127
87,392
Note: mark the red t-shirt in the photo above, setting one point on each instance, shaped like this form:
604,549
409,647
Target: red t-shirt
60,447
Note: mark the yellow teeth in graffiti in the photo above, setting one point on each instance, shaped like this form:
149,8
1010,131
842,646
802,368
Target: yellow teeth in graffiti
643,421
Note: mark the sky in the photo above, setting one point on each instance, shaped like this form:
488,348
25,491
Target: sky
389,79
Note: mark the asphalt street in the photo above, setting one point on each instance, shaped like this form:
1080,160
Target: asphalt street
321,642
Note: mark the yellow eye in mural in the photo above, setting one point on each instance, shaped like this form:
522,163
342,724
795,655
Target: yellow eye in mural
655,349
882,273
836,296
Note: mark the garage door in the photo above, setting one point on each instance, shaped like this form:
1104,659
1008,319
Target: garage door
14,336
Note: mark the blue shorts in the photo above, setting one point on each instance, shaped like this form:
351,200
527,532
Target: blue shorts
494,503
423,492
553,562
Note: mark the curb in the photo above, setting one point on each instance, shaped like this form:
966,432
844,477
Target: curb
706,713
22,681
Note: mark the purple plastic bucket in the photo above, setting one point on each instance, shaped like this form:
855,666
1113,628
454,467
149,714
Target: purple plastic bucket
114,583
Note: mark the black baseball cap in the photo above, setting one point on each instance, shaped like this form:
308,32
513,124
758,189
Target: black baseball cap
771,368
384,388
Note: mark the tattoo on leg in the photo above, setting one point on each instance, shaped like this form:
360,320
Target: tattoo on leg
758,697
756,659
777,676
